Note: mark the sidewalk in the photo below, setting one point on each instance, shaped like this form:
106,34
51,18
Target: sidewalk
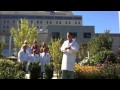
28,76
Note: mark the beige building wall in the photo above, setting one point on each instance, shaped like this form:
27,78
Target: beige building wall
80,30
116,41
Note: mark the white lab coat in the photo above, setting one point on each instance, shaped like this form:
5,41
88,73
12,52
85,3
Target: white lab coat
35,58
69,56
22,56
28,50
44,59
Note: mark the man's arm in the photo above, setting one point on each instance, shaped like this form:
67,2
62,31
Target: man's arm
74,49
19,57
63,47
48,59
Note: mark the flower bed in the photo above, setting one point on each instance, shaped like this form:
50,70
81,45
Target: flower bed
111,71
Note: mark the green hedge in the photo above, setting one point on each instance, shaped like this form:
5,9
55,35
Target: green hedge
35,69
11,70
106,72
102,56
49,69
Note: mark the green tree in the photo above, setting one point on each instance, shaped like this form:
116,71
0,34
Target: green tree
99,43
2,44
102,42
56,54
23,32
82,53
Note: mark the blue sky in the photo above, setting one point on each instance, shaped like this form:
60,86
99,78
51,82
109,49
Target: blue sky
101,20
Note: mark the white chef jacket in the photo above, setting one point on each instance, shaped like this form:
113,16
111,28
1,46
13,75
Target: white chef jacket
34,58
44,59
22,56
69,55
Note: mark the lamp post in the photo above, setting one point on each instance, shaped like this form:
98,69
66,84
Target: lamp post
10,45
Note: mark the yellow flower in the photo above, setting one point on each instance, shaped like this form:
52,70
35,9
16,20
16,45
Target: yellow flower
86,69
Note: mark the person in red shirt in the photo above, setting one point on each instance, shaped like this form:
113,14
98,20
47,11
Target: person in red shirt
35,47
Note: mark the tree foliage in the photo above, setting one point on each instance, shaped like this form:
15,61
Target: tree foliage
99,43
2,43
23,32
56,54
82,52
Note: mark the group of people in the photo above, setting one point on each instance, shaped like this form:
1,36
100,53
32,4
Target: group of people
69,49
34,53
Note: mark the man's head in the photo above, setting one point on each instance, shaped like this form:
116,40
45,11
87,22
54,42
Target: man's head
43,44
23,47
69,36
34,42
25,42
44,49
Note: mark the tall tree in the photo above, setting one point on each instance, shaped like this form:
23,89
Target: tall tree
56,54
99,43
23,32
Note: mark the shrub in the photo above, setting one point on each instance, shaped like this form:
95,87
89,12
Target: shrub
49,69
103,56
35,69
86,72
85,61
106,71
56,54
100,42
110,71
11,70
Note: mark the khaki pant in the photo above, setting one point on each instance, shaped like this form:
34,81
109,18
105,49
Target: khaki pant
67,74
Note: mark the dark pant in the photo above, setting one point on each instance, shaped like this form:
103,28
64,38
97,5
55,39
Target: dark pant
42,75
67,74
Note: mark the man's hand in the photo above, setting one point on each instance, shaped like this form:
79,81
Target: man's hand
67,48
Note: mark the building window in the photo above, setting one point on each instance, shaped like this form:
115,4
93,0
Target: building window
60,22
87,35
3,30
37,22
7,21
13,21
56,22
7,26
4,26
31,21
40,27
47,22
69,22
66,22
50,22
4,21
76,22
74,34
37,27
55,35
40,22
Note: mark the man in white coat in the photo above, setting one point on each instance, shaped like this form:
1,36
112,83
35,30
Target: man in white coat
23,56
69,48
28,48
44,59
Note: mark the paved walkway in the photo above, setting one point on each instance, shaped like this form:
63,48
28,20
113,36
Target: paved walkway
28,76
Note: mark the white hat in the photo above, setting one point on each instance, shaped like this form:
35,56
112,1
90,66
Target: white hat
25,41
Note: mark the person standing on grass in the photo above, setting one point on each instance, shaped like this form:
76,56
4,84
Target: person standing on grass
44,59
69,48
23,57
